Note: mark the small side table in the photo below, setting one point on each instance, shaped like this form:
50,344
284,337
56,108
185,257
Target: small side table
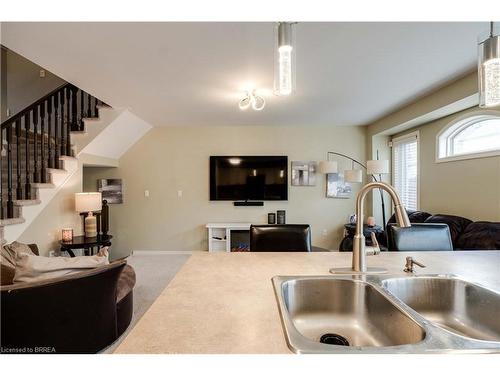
350,229
88,244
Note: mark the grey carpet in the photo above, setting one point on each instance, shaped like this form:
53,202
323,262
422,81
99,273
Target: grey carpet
153,273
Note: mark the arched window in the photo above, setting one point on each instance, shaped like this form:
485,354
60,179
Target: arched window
471,136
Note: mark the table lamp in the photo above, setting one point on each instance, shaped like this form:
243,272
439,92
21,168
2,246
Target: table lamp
89,202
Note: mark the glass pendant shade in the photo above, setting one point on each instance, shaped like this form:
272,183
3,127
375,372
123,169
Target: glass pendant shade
353,175
489,72
245,103
284,59
258,103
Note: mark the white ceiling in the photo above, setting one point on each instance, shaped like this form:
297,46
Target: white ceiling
193,74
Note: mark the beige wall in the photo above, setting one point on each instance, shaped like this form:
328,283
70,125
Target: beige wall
24,84
452,98
169,159
469,188
45,230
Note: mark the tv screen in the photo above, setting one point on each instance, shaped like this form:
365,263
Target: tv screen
234,178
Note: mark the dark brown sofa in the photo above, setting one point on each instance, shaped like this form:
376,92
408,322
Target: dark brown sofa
465,234
81,313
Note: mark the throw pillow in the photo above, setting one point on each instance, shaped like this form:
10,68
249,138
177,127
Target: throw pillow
32,268
10,252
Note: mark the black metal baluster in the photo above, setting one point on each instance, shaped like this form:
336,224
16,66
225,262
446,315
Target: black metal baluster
10,202
63,122
57,149
82,110
36,174
43,170
89,112
49,122
19,187
96,112
68,122
74,109
27,184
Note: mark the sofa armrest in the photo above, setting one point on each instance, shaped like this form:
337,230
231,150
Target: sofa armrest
71,314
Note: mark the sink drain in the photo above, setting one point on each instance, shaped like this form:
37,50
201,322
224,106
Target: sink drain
333,339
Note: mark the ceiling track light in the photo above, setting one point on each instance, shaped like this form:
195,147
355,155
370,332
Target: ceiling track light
489,70
284,59
253,100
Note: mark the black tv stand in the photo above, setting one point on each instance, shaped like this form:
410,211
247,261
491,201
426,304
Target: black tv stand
248,203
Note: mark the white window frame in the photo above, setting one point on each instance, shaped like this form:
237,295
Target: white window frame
456,126
408,136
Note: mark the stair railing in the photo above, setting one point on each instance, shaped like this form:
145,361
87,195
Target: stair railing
41,133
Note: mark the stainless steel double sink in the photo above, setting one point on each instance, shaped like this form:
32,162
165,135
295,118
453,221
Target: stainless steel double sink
384,314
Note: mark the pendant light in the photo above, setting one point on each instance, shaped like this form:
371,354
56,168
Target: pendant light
489,71
284,59
251,99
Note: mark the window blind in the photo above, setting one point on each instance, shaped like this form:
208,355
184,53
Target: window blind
405,169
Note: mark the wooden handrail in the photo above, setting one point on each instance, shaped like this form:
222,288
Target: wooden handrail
20,114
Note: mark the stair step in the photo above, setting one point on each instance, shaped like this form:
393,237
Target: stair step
27,202
13,221
56,170
65,157
42,185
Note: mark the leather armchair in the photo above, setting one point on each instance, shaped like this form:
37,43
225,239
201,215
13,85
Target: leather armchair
419,237
287,237
79,313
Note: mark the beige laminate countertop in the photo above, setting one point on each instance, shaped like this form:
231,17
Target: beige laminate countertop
225,303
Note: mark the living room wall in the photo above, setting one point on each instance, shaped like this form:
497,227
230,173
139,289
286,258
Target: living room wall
469,188
172,159
22,84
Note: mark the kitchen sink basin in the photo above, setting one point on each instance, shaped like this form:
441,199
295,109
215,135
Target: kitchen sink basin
320,311
387,314
455,305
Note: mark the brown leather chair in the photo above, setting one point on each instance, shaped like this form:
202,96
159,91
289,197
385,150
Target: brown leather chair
287,237
81,313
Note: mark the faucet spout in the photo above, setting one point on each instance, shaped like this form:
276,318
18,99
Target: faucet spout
358,251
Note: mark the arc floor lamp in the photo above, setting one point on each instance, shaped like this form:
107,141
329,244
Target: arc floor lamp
372,167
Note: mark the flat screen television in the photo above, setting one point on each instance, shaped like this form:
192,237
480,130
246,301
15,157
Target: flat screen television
248,178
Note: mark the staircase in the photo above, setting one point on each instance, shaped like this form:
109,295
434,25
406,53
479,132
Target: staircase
37,153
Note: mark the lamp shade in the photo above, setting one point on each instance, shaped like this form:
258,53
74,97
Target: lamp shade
88,202
353,175
377,166
328,167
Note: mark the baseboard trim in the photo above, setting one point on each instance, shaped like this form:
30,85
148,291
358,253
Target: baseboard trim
163,252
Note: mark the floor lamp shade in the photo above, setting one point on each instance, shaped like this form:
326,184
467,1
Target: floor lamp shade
326,167
88,202
353,175
377,167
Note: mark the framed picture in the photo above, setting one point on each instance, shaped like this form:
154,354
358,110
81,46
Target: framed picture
304,173
336,187
111,189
